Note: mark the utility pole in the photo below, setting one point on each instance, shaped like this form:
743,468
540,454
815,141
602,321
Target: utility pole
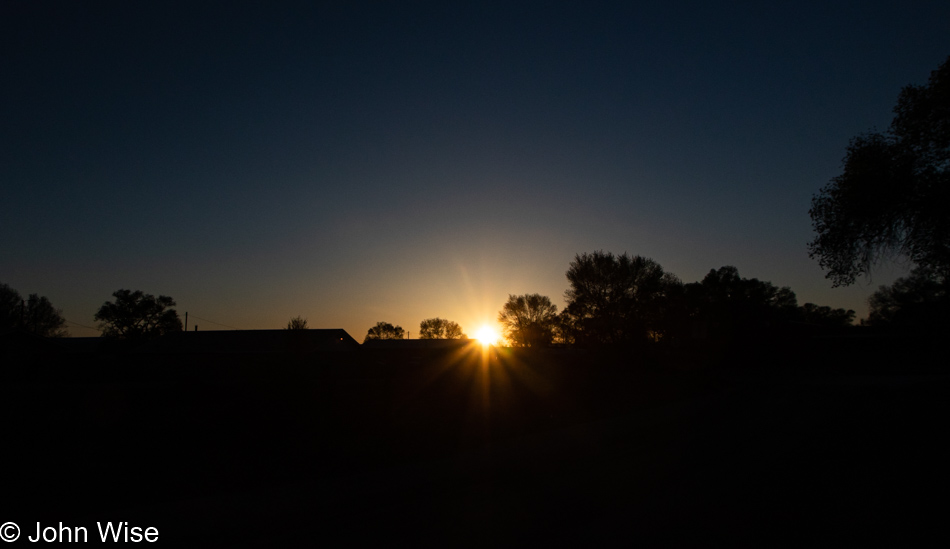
186,321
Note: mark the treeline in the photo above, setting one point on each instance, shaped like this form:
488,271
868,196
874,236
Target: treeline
133,316
34,314
619,299
611,299
430,328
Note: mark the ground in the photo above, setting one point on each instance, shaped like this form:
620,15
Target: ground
441,453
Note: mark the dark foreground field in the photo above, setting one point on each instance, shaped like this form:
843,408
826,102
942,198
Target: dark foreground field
467,448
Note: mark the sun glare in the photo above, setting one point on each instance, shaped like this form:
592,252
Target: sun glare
486,336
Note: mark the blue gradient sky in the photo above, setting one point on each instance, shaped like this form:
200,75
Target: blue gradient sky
358,162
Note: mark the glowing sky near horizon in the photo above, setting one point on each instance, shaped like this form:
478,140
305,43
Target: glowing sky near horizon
394,162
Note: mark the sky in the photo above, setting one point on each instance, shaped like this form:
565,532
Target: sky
357,162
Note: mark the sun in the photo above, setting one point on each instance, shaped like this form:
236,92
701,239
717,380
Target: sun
486,336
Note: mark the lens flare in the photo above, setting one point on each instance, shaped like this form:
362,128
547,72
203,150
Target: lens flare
486,336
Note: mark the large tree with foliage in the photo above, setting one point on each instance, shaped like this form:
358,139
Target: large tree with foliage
894,193
528,320
440,328
35,314
384,330
615,299
43,319
137,315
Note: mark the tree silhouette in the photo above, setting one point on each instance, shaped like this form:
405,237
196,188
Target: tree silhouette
564,332
614,299
297,323
528,320
11,305
384,330
43,319
36,315
826,316
894,194
730,305
917,301
136,315
439,328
